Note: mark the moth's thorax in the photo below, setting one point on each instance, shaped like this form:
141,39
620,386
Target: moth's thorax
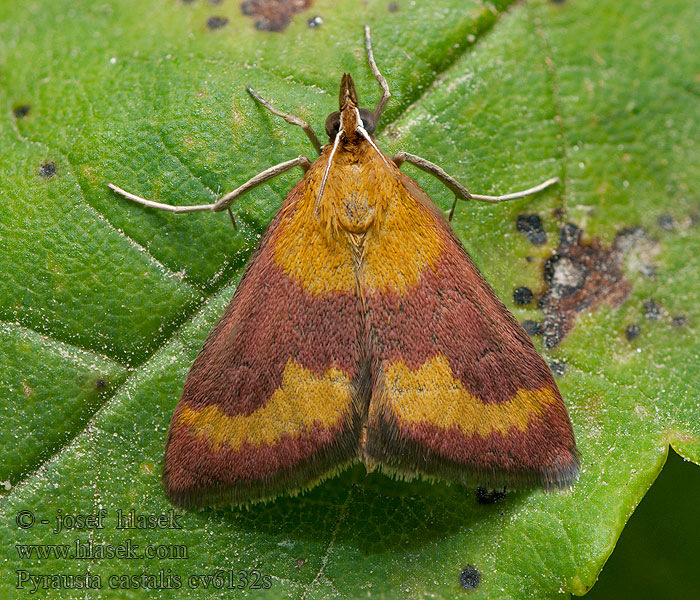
363,233
359,188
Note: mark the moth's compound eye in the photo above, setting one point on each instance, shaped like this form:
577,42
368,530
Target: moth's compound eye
333,124
369,121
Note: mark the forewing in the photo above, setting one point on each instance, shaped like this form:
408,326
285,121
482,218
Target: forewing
458,387
272,402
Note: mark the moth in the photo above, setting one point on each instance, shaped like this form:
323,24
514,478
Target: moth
361,330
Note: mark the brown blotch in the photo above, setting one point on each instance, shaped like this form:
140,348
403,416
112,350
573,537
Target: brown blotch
580,276
273,15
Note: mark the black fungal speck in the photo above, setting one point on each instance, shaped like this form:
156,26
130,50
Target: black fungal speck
101,383
47,170
632,332
570,236
216,22
315,22
470,577
652,310
393,6
215,2
557,367
666,222
522,295
678,321
531,227
485,496
532,328
21,111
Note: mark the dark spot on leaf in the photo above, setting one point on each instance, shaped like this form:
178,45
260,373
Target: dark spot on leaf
484,496
531,227
215,2
522,295
101,383
315,22
300,562
652,310
557,1
569,237
678,321
273,15
564,275
216,22
532,328
629,237
393,6
666,222
21,111
470,577
47,170
558,367
580,276
635,238
632,332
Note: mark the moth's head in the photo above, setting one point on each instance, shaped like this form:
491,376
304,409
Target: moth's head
350,120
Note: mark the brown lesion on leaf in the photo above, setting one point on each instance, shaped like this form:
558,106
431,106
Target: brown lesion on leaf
28,389
581,276
273,15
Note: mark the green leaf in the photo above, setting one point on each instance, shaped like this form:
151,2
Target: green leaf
104,304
